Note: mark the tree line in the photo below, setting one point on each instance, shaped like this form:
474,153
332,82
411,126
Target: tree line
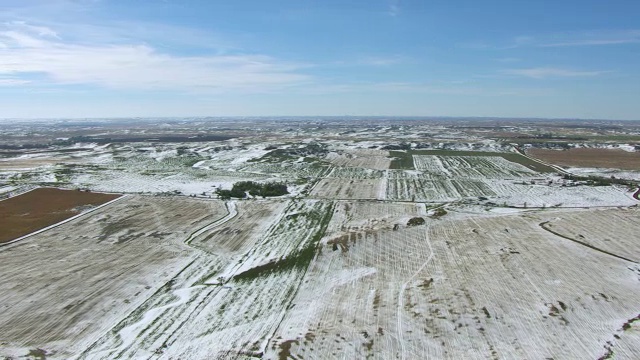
242,188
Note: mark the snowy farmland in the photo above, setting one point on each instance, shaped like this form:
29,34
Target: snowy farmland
379,249
93,271
485,167
360,158
496,287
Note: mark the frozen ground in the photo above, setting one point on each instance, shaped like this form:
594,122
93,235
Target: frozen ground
495,287
368,159
508,264
620,174
63,288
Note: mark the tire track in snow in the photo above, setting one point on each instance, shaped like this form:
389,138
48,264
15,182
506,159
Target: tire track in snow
544,226
130,333
402,290
232,212
183,294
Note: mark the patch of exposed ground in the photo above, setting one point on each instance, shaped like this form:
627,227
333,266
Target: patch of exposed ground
37,209
582,157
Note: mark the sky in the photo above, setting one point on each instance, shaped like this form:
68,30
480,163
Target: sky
171,58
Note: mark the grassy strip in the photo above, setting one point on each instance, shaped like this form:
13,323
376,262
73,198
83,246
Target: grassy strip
404,159
299,259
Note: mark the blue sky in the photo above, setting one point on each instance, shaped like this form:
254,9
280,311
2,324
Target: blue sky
117,58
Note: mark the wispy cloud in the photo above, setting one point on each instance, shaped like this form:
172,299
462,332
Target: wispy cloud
548,72
30,49
425,88
394,8
474,45
508,60
8,81
597,39
585,38
567,39
42,31
382,60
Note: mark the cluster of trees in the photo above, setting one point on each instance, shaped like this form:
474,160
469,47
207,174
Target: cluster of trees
401,146
240,190
601,181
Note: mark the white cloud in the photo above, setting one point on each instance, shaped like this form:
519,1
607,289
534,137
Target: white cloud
424,89
547,72
594,39
508,60
394,8
382,60
585,38
31,49
12,81
37,30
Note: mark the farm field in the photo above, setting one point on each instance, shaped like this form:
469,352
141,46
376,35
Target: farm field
496,287
368,159
335,188
395,239
513,193
405,186
404,159
589,158
487,167
593,228
93,271
217,306
39,208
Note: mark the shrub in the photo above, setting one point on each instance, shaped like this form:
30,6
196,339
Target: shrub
439,212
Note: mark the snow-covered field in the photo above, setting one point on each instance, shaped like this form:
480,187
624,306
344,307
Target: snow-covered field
485,167
361,158
617,173
64,288
333,188
542,195
496,287
499,261
415,186
216,305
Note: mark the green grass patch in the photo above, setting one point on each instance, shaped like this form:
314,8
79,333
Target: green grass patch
401,160
297,260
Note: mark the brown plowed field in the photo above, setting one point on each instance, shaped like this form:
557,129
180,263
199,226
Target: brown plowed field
42,207
598,158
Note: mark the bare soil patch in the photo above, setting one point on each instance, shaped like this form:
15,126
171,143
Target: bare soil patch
598,158
42,207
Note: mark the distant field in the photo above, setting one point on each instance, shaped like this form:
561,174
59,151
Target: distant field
361,158
42,207
334,188
599,158
404,160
